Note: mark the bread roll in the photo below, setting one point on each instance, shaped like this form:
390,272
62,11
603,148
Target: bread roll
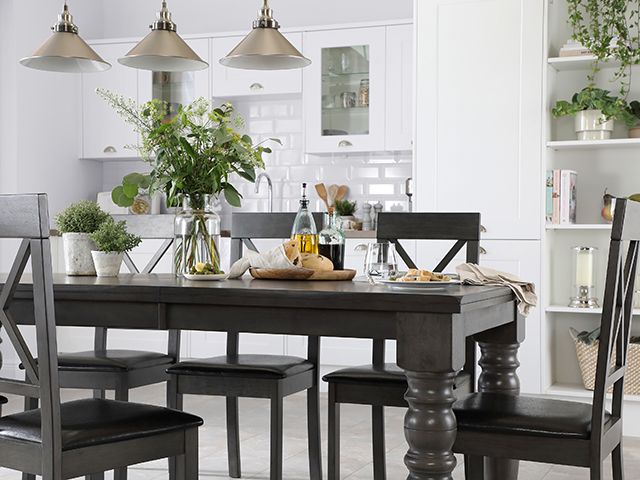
316,262
292,251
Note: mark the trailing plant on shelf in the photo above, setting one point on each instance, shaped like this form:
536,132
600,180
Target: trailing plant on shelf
610,29
112,241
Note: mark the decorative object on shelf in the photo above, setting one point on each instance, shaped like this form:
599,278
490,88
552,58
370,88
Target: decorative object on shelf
574,49
106,203
608,206
163,50
363,93
584,277
634,109
595,110
331,239
587,344
346,210
265,48
134,194
609,32
348,99
112,240
377,208
65,51
76,223
366,217
192,156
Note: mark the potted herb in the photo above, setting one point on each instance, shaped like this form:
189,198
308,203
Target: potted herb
346,210
111,240
634,109
76,223
595,110
195,153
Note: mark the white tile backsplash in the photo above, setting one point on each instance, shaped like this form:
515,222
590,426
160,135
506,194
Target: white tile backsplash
371,177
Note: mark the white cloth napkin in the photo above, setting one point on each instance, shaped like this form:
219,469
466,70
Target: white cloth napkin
276,258
472,274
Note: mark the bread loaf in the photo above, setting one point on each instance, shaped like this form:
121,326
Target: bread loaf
292,251
316,262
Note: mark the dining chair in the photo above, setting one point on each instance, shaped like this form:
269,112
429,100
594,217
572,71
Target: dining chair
381,384
237,375
119,370
60,441
494,425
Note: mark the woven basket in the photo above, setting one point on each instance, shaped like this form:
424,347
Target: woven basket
588,359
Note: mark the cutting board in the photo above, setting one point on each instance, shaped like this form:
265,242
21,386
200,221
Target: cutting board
301,274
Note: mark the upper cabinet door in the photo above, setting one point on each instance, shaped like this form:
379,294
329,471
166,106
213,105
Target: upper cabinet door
479,114
344,90
400,80
104,132
234,82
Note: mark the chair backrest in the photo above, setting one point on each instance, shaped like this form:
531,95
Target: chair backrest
26,217
615,327
246,227
462,228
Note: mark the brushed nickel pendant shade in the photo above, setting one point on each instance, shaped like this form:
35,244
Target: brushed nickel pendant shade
265,48
163,50
65,51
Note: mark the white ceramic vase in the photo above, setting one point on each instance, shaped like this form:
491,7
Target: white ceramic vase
593,125
77,254
107,263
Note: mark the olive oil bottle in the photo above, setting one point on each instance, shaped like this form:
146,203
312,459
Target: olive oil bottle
304,229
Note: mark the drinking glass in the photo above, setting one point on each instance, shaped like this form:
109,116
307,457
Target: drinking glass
380,262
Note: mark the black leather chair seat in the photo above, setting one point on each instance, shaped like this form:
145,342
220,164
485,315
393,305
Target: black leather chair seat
389,374
97,422
275,366
500,413
112,360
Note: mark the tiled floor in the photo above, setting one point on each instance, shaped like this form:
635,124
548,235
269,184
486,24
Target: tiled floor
356,453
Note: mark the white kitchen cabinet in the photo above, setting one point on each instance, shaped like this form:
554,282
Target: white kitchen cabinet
479,118
104,133
234,82
344,92
400,79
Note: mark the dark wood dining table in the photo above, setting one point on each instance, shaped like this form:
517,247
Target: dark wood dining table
430,326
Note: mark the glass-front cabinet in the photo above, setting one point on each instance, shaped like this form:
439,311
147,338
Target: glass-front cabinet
345,98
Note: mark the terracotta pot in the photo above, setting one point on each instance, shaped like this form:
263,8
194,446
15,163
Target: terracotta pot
634,132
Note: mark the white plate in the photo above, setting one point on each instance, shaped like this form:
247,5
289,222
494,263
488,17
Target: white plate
216,277
396,284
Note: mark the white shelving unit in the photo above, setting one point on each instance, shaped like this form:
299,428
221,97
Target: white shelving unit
578,63
579,311
579,226
594,144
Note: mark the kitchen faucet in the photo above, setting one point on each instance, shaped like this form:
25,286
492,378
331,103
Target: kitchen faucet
269,186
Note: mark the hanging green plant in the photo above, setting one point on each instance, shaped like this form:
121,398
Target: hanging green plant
611,30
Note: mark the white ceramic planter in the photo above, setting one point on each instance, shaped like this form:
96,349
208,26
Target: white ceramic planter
77,254
593,125
107,263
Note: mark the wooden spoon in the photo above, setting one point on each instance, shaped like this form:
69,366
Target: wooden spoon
321,189
343,190
331,198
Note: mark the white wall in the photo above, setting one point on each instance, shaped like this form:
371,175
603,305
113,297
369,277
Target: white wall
126,18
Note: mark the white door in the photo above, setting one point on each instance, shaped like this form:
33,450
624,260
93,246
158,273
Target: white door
234,82
104,133
344,90
479,115
400,80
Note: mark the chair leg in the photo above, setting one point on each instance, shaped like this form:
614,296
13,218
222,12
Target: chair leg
175,401
95,476
596,470
187,464
473,467
617,461
313,429
334,435
30,403
122,395
379,449
276,437
100,394
233,437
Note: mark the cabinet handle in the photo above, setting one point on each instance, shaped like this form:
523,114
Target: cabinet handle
483,229
345,143
256,87
110,149
483,251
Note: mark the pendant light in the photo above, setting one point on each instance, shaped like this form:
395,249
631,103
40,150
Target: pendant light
65,51
163,50
265,48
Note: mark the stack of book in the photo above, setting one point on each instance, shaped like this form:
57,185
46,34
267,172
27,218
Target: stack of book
561,197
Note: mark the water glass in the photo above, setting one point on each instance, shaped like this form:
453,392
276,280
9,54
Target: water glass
380,262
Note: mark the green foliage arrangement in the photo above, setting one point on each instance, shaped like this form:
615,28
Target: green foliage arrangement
194,151
592,98
611,30
112,236
81,217
124,195
345,208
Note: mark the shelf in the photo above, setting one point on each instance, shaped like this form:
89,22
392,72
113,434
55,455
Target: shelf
578,391
580,226
594,144
579,63
343,74
112,159
580,311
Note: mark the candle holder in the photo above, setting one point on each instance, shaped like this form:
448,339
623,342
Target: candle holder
584,278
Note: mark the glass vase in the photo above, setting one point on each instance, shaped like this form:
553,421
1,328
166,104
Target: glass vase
197,236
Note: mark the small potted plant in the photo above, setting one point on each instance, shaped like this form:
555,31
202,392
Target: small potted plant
345,210
76,223
595,110
634,109
112,240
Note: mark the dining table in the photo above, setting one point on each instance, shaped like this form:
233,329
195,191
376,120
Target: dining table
430,326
